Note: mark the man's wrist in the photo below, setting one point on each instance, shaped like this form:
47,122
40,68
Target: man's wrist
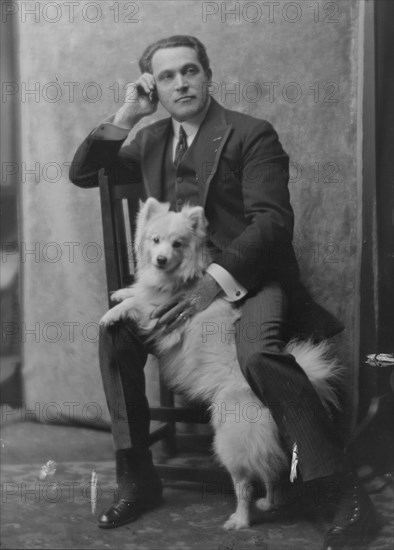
212,284
115,127
125,122
233,290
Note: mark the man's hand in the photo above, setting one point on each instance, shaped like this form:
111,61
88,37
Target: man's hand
140,101
175,312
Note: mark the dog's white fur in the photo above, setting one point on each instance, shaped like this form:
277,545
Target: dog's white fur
200,360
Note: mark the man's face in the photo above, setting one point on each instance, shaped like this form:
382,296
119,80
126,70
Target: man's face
181,82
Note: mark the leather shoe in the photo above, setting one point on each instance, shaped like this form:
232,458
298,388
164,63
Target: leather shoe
125,511
355,518
139,488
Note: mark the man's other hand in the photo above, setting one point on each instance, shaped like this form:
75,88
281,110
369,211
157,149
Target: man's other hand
140,101
177,310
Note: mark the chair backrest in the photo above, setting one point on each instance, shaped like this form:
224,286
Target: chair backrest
119,207
120,204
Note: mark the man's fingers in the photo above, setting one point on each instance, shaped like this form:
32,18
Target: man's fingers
175,311
160,310
173,325
171,315
175,322
145,84
149,80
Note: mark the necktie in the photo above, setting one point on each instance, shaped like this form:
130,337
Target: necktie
181,146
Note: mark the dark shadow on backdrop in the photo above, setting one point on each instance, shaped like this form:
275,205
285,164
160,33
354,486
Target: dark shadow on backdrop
375,443
10,345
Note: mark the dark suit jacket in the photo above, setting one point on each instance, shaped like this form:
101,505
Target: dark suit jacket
243,171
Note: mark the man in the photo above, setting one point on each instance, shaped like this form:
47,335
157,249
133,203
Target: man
235,167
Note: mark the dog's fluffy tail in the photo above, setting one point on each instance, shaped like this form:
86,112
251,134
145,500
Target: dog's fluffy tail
322,369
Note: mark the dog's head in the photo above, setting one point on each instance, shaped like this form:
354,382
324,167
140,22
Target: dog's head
170,243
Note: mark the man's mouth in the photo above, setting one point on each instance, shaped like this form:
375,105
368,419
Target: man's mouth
184,99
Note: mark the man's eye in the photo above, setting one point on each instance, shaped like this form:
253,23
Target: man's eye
156,240
176,244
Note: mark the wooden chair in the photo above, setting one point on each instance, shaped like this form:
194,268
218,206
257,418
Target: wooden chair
119,206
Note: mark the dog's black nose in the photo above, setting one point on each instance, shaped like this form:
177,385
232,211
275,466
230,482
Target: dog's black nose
161,260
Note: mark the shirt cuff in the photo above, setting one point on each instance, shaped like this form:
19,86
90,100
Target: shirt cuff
110,131
233,290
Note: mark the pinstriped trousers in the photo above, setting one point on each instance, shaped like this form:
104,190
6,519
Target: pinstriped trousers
281,384
274,376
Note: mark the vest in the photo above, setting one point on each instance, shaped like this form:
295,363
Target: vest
180,185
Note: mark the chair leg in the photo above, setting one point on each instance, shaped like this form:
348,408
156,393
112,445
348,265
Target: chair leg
168,443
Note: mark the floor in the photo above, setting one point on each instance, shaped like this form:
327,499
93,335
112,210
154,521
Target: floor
57,512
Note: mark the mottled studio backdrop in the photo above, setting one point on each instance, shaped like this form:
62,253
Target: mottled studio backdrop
295,64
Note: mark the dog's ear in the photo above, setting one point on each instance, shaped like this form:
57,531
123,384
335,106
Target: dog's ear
148,209
196,216
151,207
195,256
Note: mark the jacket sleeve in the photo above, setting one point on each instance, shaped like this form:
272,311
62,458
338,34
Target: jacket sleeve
121,163
263,250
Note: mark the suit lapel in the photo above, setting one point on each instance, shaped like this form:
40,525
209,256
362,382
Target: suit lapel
152,154
210,140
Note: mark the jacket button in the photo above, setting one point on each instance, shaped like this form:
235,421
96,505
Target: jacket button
179,180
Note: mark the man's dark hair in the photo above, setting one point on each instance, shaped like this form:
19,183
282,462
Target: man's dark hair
175,41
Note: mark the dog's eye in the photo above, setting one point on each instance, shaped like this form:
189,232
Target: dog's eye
156,240
176,244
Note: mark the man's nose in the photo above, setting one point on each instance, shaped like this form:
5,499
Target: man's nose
181,82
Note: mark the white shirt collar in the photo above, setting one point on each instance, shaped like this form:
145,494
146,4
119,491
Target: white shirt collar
191,125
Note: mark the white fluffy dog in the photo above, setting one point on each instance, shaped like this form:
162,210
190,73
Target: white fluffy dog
199,358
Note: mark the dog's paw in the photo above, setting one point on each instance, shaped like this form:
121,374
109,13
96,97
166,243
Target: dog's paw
235,521
129,312
121,294
109,318
264,504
